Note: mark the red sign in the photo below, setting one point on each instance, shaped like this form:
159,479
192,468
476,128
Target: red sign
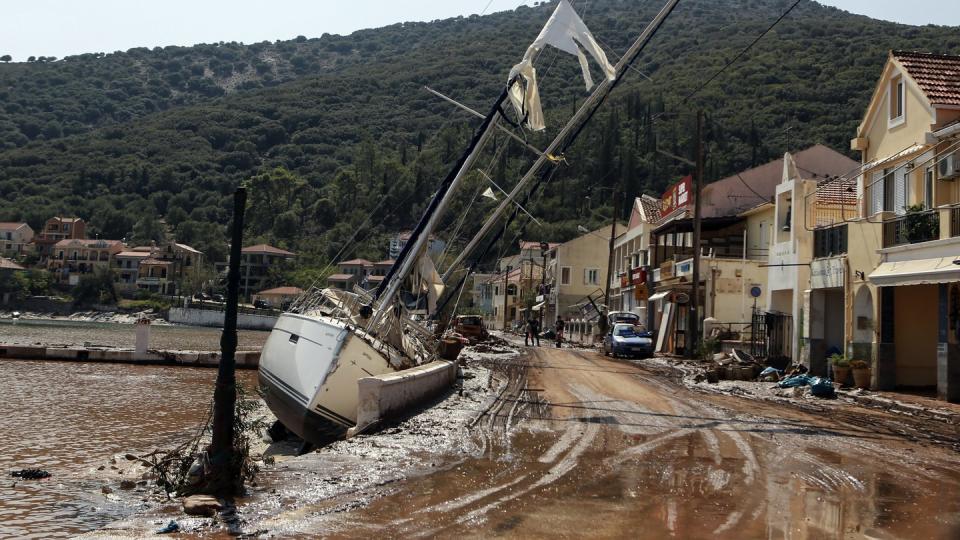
638,276
678,195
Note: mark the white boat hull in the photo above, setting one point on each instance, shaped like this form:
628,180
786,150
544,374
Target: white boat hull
308,372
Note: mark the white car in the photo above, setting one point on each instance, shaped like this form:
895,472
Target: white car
628,340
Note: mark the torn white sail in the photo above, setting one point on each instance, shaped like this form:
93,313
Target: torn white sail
431,280
567,32
490,194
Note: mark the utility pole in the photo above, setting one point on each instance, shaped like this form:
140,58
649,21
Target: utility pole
506,284
693,323
606,289
544,248
226,470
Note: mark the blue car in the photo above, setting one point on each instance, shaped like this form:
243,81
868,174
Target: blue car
629,341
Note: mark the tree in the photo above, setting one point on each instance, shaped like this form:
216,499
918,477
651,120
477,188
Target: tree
149,229
95,288
6,58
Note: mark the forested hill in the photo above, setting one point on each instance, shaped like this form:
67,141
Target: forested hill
169,132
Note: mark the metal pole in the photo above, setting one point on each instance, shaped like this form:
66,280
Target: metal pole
606,289
543,281
225,476
506,283
693,325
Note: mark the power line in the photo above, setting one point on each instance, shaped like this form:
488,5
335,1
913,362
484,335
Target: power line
741,53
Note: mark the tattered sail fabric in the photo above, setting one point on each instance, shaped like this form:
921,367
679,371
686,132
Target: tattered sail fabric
567,32
430,279
490,194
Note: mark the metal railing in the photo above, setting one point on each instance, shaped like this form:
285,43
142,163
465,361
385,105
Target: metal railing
955,221
912,228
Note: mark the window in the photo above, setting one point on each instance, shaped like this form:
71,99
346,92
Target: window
565,275
897,100
591,276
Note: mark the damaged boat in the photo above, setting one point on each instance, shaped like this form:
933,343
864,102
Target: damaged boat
330,338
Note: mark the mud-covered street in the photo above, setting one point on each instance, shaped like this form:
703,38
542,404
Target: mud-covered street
568,443
580,445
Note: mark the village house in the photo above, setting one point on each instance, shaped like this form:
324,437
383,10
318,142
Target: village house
278,297
738,231
577,276
256,262
629,287
57,229
435,246
127,269
14,238
899,285
73,258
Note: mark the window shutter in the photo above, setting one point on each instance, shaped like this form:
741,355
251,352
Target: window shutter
876,193
900,191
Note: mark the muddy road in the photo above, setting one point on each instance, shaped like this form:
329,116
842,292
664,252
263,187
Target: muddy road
582,446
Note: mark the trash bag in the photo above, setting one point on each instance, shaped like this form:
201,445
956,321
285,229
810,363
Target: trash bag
770,371
821,387
794,381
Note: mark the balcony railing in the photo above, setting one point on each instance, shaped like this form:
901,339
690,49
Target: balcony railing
912,228
955,221
830,241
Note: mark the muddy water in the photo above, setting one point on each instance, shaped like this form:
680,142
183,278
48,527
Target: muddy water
70,418
78,333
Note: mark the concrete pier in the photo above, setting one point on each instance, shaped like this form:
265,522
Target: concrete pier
245,359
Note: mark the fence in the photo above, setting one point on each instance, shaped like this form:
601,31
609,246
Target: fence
772,337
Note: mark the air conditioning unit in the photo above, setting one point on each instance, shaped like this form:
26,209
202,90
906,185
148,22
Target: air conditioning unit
949,167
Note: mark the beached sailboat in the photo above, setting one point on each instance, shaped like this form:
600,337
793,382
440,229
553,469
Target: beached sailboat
330,338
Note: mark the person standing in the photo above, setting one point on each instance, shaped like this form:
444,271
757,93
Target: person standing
531,337
559,330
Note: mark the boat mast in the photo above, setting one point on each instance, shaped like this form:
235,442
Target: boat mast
428,223
579,118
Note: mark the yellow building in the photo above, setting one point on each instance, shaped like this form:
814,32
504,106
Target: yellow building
900,241
577,270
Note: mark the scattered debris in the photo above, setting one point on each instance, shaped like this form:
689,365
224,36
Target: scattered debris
201,505
171,527
30,474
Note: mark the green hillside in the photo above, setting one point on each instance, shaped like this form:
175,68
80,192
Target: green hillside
169,132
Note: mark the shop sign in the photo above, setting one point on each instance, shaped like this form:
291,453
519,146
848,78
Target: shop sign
685,268
638,276
640,292
624,280
827,273
677,195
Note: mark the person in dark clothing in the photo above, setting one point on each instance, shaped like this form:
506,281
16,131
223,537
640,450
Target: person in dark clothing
533,332
559,329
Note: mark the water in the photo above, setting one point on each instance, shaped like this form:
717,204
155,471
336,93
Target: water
70,418
78,333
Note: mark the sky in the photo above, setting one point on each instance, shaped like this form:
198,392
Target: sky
65,27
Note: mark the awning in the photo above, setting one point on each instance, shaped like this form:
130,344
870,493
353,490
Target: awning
657,296
918,272
539,306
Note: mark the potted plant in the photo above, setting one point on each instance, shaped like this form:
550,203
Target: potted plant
841,368
861,373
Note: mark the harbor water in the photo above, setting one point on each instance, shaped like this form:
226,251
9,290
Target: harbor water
71,418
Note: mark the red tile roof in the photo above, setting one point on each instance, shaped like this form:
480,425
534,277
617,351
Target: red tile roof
88,242
341,277
288,291
141,254
358,262
10,225
264,248
651,207
745,190
938,75
388,262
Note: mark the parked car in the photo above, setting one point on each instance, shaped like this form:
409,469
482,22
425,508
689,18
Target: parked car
261,304
470,327
218,298
626,339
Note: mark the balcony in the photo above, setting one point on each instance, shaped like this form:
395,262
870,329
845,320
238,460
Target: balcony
912,228
830,241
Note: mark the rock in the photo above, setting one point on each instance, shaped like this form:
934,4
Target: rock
106,490
201,505
127,484
130,457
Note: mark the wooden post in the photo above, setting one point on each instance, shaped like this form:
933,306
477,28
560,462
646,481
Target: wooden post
603,323
225,478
